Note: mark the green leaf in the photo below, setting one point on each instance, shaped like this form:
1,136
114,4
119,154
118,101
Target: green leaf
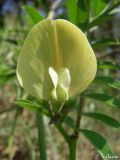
4,70
29,105
106,15
83,14
115,11
72,10
69,121
82,11
104,118
112,8
99,143
112,82
110,100
105,43
6,78
99,6
99,20
77,11
6,74
97,140
108,65
33,15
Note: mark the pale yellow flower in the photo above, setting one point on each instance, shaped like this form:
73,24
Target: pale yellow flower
56,61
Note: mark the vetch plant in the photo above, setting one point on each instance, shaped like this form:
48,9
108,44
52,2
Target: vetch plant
55,67
57,64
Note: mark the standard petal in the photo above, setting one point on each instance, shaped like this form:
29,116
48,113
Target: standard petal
76,54
59,44
39,52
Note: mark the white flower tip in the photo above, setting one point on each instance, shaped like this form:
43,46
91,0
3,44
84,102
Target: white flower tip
54,76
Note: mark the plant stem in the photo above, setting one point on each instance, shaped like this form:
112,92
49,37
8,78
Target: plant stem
51,13
72,148
74,137
63,132
41,136
13,127
111,8
28,140
79,115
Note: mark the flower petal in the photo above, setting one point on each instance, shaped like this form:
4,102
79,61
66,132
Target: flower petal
76,54
37,55
54,76
64,80
60,44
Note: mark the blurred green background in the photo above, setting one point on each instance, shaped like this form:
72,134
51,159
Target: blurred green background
18,134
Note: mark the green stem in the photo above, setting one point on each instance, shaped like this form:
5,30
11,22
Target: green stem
59,126
73,139
13,127
79,116
72,148
41,136
28,140
63,132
